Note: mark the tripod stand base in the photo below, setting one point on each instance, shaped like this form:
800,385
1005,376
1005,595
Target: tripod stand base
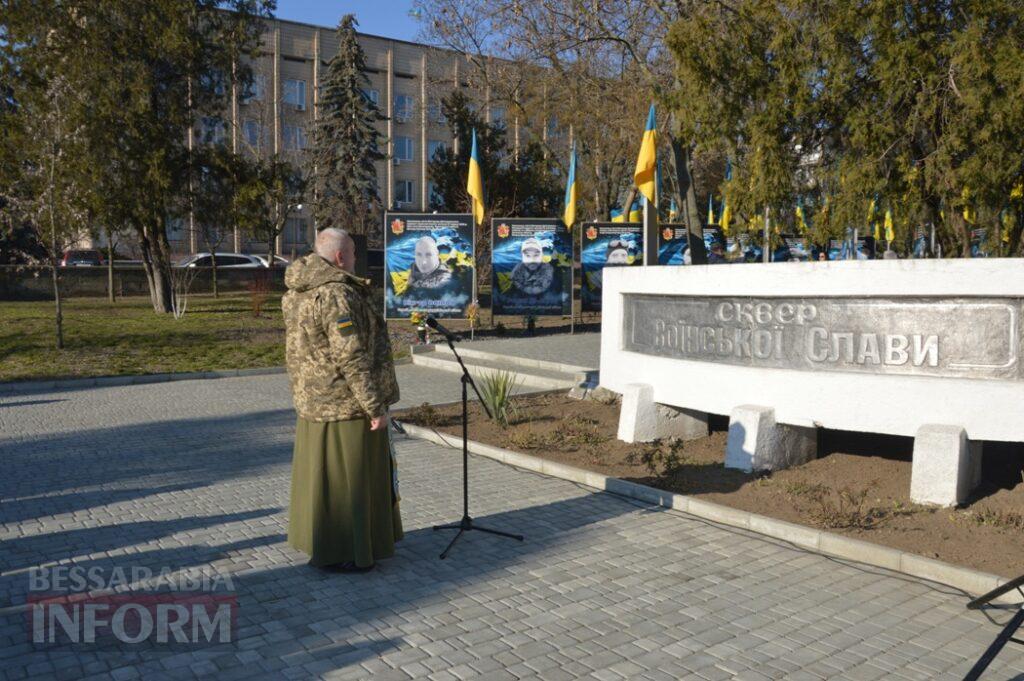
467,524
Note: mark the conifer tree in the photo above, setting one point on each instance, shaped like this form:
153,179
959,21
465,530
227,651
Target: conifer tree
346,144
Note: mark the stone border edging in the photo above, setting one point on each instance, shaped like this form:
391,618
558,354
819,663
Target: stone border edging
973,582
16,387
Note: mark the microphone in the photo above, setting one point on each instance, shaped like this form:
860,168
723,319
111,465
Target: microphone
437,326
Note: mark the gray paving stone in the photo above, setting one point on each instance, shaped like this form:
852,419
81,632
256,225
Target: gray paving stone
192,474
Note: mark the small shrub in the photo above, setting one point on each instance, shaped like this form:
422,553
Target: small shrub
259,292
1004,520
425,415
528,438
845,508
660,458
496,389
580,431
500,330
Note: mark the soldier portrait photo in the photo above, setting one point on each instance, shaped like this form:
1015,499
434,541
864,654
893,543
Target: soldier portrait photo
428,271
531,267
533,276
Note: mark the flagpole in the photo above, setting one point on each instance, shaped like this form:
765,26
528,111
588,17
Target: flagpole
572,283
767,238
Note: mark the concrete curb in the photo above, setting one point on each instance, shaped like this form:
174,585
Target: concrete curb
444,361
972,582
18,387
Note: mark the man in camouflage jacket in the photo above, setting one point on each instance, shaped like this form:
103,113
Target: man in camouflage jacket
344,504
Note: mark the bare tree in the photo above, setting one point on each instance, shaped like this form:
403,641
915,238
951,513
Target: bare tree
594,64
48,191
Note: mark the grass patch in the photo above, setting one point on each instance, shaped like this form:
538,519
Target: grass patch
127,337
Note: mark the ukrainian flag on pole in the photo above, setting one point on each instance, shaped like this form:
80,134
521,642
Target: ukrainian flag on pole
647,161
475,183
569,217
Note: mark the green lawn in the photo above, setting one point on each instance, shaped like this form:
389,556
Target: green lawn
127,337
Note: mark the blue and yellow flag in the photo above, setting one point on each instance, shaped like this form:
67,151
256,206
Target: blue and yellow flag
890,228
969,215
673,211
475,184
646,162
726,217
711,210
636,214
569,216
801,219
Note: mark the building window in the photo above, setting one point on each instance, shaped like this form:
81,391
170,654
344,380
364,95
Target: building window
295,231
253,133
434,197
433,148
294,137
213,82
254,90
175,229
403,149
403,192
498,115
553,129
294,93
435,112
403,108
212,130
372,96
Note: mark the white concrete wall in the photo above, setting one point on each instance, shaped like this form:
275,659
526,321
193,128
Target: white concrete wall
988,409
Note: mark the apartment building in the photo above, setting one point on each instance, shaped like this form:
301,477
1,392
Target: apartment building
407,81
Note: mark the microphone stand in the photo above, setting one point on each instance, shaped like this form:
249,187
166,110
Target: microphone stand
466,523
1006,635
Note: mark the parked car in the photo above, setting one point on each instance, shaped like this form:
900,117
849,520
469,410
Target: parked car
279,261
89,257
224,260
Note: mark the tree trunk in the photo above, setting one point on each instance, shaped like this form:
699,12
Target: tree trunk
59,321
213,271
687,199
627,207
110,268
156,261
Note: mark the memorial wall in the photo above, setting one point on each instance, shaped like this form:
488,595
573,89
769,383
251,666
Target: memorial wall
876,346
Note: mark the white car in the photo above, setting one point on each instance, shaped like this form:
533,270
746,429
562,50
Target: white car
224,260
278,261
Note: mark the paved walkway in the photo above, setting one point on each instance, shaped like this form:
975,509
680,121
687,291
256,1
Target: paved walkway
196,474
580,349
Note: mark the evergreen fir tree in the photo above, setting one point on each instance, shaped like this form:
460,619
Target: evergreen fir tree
346,144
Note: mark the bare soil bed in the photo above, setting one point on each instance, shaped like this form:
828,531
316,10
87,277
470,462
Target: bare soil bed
858,486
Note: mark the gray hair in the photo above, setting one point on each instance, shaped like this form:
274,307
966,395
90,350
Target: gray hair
330,241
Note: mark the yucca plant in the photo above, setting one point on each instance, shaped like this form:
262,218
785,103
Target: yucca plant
497,389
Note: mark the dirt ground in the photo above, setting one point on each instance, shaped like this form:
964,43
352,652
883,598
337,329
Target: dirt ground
858,486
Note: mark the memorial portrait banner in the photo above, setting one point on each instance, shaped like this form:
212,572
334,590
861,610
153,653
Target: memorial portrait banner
429,264
531,267
673,243
607,244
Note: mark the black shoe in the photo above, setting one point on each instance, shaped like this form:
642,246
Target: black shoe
348,568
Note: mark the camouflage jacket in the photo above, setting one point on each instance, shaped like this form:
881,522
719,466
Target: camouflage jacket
336,344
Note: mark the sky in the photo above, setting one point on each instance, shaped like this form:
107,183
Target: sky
388,18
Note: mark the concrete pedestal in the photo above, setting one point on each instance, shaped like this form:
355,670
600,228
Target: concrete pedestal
757,443
643,420
946,465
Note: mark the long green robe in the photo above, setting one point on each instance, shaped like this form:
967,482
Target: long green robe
344,496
